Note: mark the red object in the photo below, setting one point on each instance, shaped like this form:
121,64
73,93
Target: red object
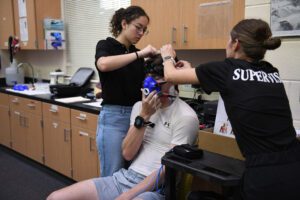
15,45
202,126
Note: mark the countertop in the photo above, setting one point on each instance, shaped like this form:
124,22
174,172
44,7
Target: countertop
48,98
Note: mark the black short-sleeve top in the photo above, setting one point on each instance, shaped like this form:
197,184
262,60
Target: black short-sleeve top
255,101
121,86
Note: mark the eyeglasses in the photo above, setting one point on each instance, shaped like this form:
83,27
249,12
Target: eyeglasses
140,29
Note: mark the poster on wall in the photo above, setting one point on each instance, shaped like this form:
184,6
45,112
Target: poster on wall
285,17
222,124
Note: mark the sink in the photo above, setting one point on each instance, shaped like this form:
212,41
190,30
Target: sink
40,88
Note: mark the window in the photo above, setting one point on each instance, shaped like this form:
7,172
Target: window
87,22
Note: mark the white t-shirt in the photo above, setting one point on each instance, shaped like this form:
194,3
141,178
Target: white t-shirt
174,125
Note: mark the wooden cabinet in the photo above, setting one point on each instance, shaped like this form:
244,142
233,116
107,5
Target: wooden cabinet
85,160
26,127
45,9
57,138
5,137
61,138
6,22
164,16
36,12
191,24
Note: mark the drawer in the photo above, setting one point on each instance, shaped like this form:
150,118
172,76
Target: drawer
84,120
84,133
32,106
56,112
4,100
16,103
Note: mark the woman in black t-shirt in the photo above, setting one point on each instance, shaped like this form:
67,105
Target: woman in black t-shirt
121,71
257,106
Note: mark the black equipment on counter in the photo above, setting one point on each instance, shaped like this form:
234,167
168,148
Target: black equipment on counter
210,111
77,86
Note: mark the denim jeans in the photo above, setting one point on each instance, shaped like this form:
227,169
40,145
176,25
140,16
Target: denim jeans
113,124
109,188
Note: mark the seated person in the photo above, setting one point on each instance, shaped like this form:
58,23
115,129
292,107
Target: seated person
168,121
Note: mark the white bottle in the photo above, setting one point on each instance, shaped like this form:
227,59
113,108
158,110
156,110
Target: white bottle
14,75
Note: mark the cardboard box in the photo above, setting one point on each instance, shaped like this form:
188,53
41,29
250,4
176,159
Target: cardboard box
223,145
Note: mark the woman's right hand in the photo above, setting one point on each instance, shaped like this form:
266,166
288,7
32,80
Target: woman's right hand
148,51
182,64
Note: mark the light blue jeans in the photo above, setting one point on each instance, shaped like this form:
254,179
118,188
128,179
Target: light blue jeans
113,124
109,188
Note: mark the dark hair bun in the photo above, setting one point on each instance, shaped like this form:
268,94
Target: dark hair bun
272,43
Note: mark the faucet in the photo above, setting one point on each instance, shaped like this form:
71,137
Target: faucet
28,64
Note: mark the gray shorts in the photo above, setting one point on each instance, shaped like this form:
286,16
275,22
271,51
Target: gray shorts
121,181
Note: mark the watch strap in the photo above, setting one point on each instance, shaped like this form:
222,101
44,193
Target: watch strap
169,58
140,122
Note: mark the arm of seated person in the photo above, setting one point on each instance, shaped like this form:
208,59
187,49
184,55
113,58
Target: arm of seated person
134,138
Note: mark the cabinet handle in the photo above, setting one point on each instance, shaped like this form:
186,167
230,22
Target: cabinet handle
92,148
81,117
20,118
53,110
31,106
184,36
67,135
216,3
15,101
25,122
81,133
173,35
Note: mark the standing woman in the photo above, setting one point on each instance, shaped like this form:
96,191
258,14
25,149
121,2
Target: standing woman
257,106
121,71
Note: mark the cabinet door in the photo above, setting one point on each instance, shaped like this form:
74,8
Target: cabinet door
17,119
163,27
34,137
57,146
207,23
18,131
29,24
84,154
6,22
5,137
45,9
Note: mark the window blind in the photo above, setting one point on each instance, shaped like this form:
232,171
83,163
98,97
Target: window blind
87,22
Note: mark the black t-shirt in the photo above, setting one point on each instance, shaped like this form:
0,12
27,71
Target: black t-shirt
255,101
121,86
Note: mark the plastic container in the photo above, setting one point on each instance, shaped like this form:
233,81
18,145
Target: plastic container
13,75
55,76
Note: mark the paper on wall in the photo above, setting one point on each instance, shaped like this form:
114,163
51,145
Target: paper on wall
22,8
23,29
222,123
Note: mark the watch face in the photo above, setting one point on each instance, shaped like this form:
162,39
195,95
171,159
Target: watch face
139,122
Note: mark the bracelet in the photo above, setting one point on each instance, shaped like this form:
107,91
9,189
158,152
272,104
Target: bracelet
137,55
169,58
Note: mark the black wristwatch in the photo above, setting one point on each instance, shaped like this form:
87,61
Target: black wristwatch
140,122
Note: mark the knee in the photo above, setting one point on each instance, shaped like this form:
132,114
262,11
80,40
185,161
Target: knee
54,196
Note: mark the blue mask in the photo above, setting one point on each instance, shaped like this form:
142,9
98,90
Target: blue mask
150,84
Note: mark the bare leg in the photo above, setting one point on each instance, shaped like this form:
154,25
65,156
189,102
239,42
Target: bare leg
81,190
